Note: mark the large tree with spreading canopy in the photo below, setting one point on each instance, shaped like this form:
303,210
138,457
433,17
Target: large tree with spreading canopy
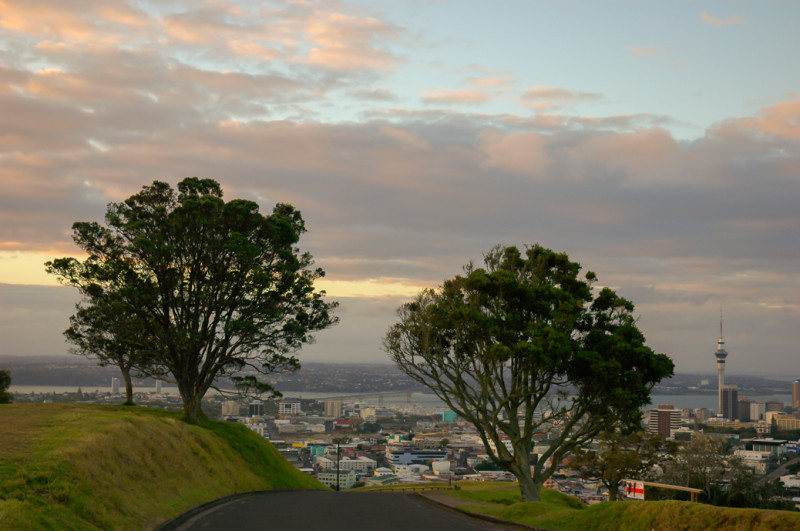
525,346
195,287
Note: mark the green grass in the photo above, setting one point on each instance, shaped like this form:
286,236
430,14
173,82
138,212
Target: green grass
560,512
77,466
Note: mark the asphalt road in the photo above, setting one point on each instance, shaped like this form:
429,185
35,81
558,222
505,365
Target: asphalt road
332,511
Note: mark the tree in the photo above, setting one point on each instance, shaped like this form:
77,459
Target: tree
523,346
707,463
620,456
105,331
197,287
5,383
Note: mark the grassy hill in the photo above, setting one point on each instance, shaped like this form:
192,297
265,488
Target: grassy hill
564,513
77,466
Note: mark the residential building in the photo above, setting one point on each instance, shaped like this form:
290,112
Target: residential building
664,420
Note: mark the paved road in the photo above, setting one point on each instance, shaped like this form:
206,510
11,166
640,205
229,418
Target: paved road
333,511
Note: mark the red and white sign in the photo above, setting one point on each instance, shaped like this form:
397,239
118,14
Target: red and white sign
634,490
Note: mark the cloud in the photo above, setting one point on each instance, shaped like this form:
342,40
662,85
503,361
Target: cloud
75,21
541,97
453,97
780,122
713,21
642,51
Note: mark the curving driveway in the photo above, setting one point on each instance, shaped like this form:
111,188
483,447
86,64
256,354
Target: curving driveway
329,511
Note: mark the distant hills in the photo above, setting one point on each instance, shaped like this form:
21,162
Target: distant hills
75,371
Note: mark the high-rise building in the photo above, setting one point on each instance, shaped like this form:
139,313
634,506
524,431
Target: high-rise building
730,402
773,405
720,354
158,387
255,409
796,394
744,410
664,420
333,408
114,386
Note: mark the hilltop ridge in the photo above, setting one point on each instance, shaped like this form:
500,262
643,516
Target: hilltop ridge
81,466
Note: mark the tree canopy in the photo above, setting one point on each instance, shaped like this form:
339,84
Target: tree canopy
5,383
524,346
186,284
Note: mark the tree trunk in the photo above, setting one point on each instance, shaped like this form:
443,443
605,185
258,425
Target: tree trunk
192,402
126,376
529,489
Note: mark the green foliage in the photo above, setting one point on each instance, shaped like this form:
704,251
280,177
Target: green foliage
182,283
525,335
70,466
620,456
5,383
560,512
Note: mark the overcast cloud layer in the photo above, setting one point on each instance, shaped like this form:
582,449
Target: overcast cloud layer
308,103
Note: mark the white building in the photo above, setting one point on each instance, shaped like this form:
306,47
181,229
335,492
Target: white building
407,471
289,406
346,479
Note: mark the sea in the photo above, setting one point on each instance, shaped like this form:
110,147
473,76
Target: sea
411,402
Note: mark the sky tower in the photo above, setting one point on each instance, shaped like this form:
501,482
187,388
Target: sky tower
720,354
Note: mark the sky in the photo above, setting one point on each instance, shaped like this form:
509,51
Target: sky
657,143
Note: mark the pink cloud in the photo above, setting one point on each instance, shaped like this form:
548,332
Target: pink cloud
467,97
74,21
713,21
779,122
546,98
641,51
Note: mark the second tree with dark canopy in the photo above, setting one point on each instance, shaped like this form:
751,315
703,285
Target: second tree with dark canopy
197,287
525,346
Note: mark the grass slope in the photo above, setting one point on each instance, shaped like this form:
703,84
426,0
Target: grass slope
77,466
560,512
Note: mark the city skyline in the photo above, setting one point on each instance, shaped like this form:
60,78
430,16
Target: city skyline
656,143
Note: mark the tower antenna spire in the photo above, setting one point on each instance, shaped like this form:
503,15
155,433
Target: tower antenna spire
720,320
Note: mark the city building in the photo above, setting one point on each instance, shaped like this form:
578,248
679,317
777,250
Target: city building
664,420
255,409
114,386
449,416
773,405
408,456
757,411
720,355
345,479
786,423
333,408
289,406
730,402
796,394
368,414
744,409
230,408
158,387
